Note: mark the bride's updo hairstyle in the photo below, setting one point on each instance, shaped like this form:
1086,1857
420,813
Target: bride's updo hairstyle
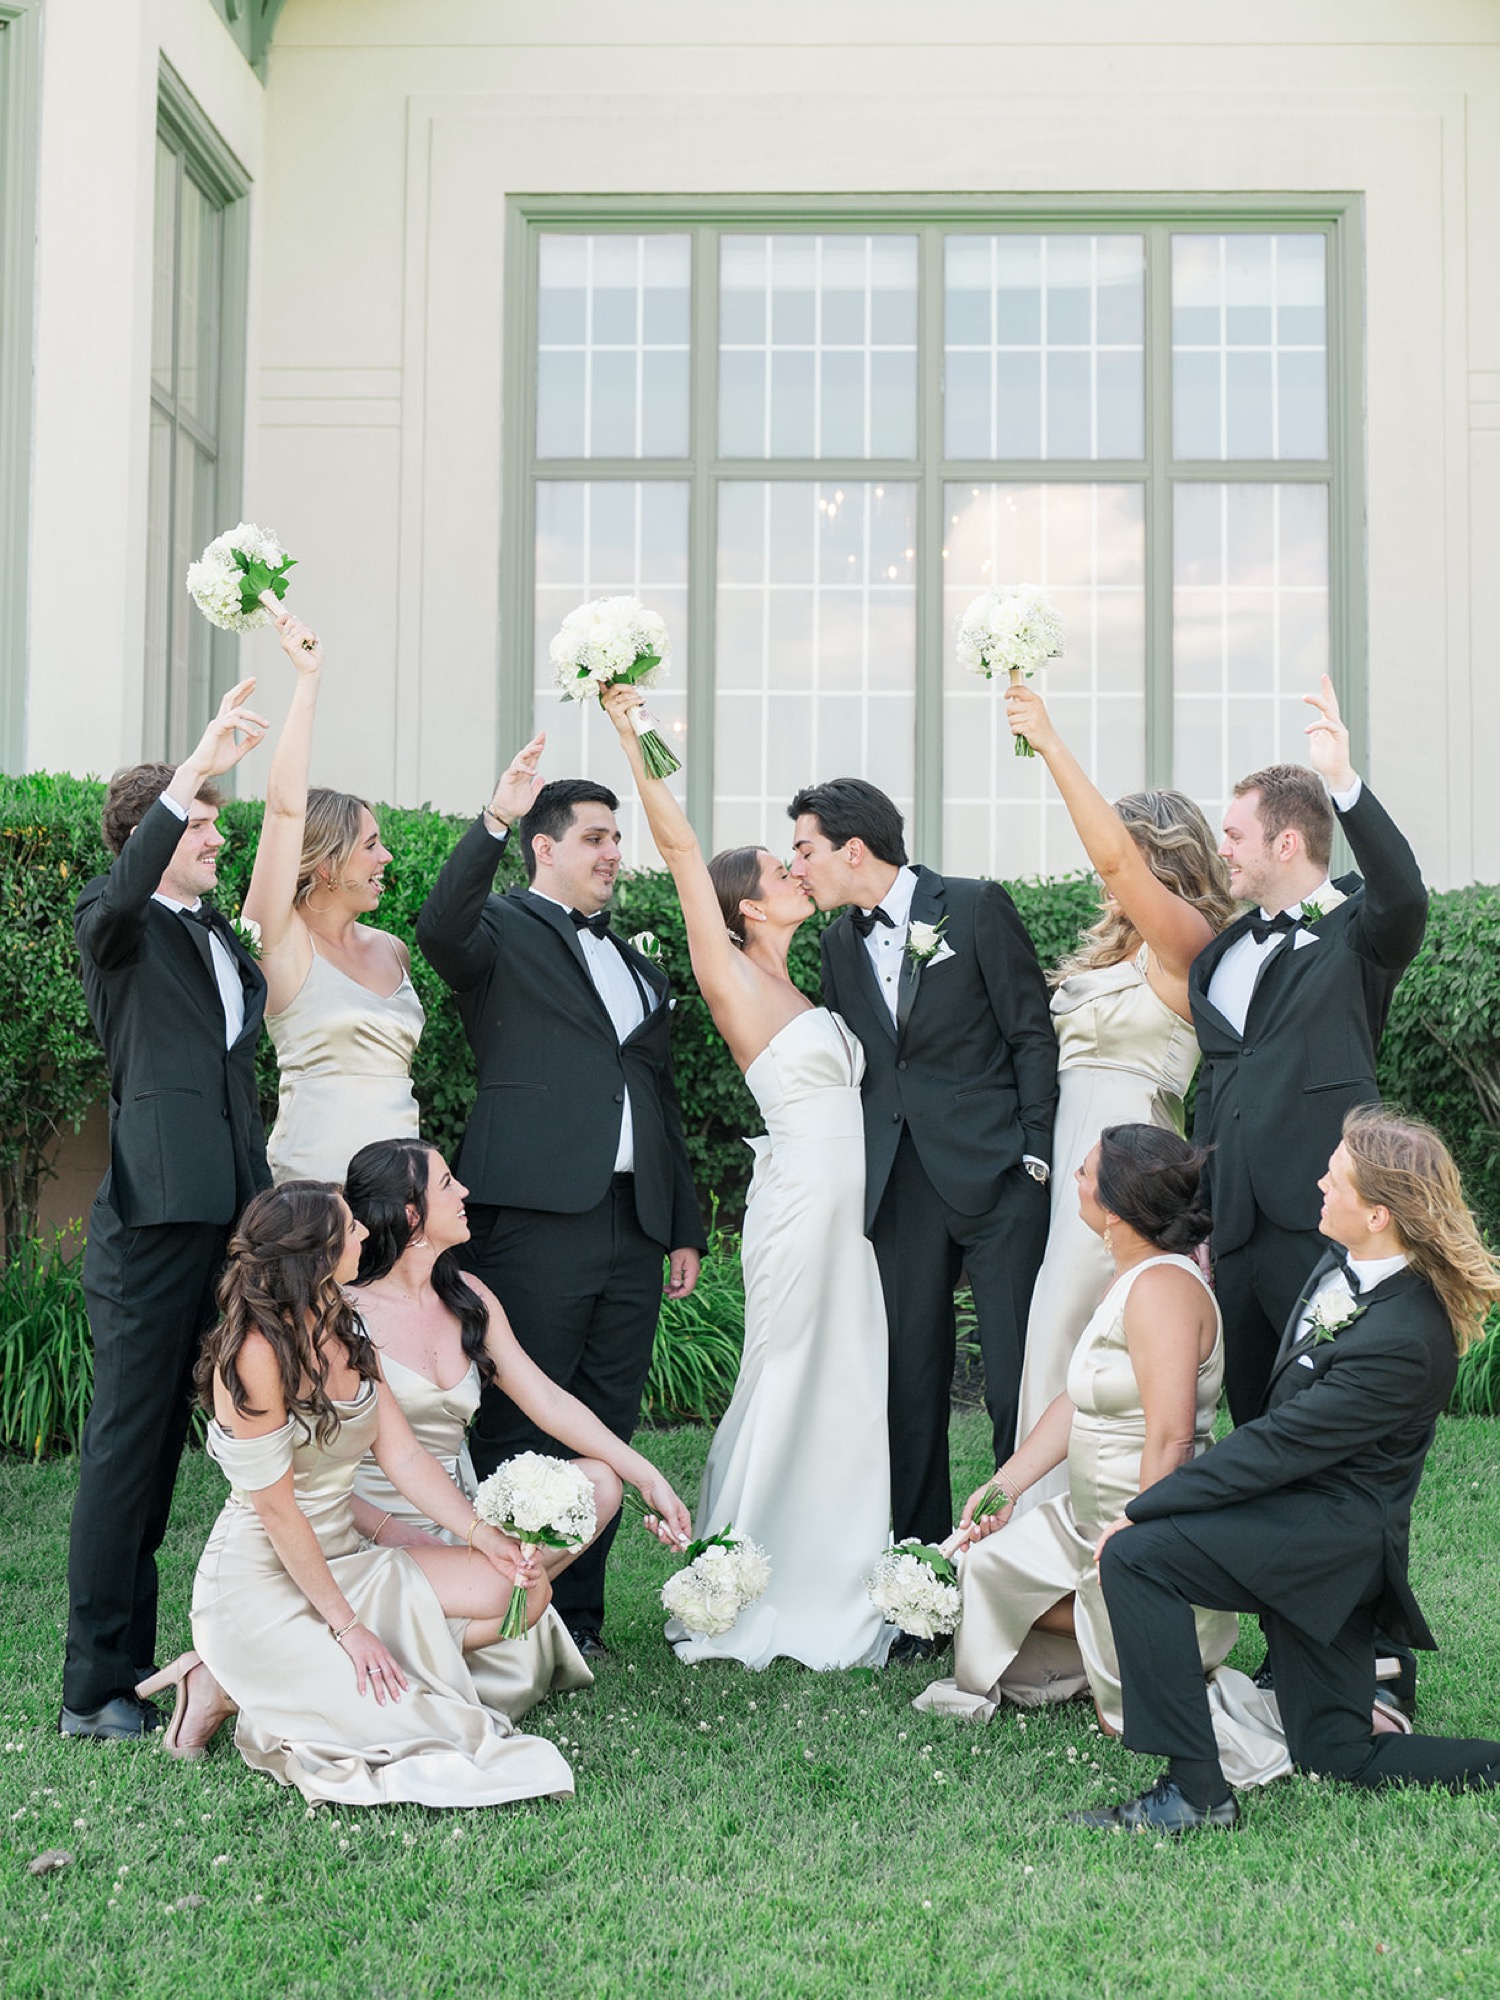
329,837
735,874
279,1282
386,1180
1153,1180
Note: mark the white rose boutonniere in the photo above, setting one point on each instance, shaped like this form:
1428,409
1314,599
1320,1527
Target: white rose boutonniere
1330,1316
1314,907
925,942
648,944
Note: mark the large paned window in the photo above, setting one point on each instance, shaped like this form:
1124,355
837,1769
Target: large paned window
197,346
20,90
809,436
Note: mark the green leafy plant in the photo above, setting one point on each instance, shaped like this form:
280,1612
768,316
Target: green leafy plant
1476,1393
46,1356
699,1340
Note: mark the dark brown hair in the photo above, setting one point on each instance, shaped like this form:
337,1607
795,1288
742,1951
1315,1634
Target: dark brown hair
1292,796
133,792
279,1283
735,874
1152,1178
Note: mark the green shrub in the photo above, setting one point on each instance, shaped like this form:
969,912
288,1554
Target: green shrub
699,1340
46,1357
1476,1393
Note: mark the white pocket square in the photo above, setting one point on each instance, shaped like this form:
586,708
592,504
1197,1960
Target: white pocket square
944,951
1306,1361
1302,938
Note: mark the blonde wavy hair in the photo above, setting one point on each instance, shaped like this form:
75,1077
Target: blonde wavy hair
330,835
1402,1165
1180,850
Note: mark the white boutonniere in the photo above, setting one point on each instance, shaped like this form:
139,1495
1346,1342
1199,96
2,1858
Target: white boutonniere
247,930
1314,907
648,944
925,942
1331,1316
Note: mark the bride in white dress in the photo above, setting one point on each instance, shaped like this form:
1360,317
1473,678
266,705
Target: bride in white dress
800,1461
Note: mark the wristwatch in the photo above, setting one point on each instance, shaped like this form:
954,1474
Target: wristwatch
1037,1171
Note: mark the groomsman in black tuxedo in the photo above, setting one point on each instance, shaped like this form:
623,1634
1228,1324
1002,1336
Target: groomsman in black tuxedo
939,979
177,1002
579,1180
1304,1514
1289,1004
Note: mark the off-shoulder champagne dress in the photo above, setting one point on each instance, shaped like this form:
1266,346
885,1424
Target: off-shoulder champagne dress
301,1718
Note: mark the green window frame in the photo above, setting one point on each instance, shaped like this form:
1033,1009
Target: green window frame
188,664
1157,219
20,87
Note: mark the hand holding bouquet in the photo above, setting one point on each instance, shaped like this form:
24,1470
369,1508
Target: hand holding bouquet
543,1503
1012,631
606,642
725,1573
240,579
916,1588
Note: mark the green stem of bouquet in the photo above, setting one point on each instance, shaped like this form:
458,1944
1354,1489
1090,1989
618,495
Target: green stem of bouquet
514,1625
1023,748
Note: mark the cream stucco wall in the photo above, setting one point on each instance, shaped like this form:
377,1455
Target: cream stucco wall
391,132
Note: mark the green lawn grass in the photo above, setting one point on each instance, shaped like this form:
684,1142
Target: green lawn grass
739,1834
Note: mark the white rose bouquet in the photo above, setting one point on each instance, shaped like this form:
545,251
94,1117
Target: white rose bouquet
916,1588
1010,631
615,639
724,1573
240,579
544,1503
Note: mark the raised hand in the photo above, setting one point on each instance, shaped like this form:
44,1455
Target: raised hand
518,784
617,701
1328,740
233,734
299,642
1027,715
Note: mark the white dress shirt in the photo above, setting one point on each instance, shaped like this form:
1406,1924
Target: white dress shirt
226,972
616,986
1338,1293
1232,987
886,944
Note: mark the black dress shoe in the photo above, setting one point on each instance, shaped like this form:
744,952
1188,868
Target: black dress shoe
1161,1810
590,1643
121,1717
909,1650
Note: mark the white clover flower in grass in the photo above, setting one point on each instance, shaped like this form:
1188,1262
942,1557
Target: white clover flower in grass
608,640
916,1588
1010,631
235,576
544,1503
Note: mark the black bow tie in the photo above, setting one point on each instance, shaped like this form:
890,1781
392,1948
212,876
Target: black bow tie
1263,927
207,917
598,923
864,921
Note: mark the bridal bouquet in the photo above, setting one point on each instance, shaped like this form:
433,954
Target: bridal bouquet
724,1573
544,1503
916,1588
1012,631
609,640
240,579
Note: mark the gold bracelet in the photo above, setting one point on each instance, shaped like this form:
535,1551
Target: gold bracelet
375,1535
340,1636
474,1526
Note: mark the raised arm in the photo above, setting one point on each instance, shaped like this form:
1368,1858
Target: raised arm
271,897
450,933
1389,925
1173,930
719,969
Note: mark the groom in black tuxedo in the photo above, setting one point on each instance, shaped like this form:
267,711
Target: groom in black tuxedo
177,1002
1303,1515
579,1180
939,979
1289,1004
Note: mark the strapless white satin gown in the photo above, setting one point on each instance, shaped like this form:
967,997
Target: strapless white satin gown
800,1461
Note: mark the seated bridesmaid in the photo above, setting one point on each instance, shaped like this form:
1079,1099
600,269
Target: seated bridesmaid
338,1657
1143,1386
340,1006
441,1335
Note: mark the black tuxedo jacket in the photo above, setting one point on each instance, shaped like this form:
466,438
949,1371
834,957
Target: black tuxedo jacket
185,1136
970,1062
552,1074
1311,1502
1271,1102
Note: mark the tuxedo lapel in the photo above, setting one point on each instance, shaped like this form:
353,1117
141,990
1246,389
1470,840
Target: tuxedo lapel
1289,1341
844,938
1207,963
928,906
560,920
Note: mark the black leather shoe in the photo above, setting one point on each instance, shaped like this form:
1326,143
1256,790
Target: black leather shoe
1396,1678
1161,1810
590,1643
910,1651
121,1717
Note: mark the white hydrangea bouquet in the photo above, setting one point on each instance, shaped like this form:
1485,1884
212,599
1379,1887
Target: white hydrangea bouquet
725,1573
240,579
1011,631
608,640
544,1503
916,1588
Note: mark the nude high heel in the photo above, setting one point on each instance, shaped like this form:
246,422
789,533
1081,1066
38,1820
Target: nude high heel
201,1710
